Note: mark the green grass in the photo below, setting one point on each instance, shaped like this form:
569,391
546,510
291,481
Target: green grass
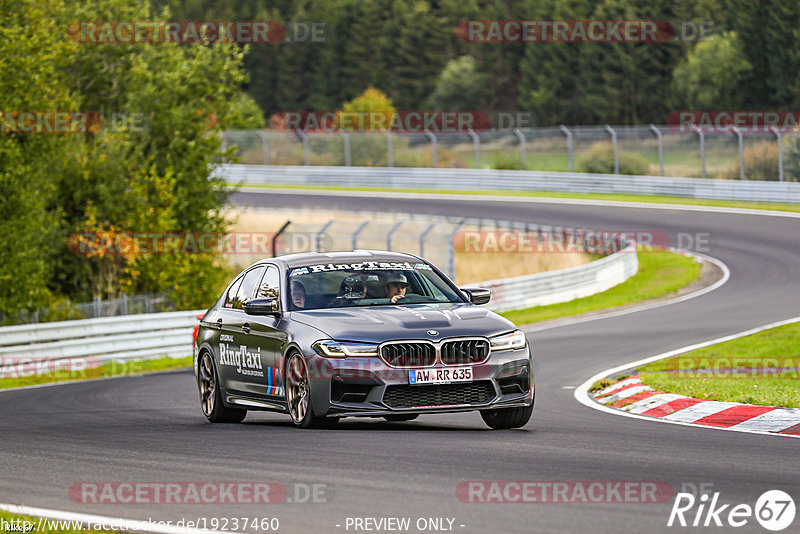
771,206
660,274
48,525
108,370
742,370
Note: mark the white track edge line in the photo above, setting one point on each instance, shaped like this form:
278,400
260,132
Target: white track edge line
509,198
726,274
581,393
118,523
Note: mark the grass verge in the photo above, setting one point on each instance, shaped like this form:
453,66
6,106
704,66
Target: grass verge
20,378
660,274
770,206
761,369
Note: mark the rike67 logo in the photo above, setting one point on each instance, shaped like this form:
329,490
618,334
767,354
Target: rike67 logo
774,510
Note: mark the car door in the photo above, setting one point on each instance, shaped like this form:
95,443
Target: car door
266,334
240,363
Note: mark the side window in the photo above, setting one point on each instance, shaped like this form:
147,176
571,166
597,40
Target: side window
245,290
232,293
270,285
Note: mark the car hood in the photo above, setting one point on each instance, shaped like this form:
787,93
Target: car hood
375,324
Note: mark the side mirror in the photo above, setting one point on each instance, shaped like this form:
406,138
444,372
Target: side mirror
477,295
261,307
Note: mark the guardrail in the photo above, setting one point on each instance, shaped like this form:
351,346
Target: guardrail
75,345
487,179
564,285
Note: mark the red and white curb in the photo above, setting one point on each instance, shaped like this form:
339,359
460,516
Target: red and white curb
630,395
631,398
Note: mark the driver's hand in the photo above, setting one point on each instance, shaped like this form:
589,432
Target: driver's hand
396,298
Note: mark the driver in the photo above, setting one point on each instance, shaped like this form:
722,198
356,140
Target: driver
396,285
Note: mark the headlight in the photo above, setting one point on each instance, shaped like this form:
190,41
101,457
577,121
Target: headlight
343,349
514,340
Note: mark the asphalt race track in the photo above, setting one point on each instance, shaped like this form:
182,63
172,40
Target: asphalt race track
151,428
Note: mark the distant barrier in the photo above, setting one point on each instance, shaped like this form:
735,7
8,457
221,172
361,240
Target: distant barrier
563,285
486,180
34,349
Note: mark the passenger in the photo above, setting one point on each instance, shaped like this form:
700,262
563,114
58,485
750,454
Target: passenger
396,285
298,295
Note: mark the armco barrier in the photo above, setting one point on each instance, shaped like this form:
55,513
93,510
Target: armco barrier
487,179
25,349
564,285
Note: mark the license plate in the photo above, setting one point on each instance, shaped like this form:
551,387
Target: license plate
446,375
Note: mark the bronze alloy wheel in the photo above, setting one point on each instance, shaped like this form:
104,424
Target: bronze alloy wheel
208,385
297,388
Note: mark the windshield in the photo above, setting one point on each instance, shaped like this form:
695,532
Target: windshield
366,284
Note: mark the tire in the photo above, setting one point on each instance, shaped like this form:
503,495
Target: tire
395,418
505,418
298,396
210,395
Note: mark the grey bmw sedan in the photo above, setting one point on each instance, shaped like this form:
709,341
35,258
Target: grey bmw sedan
322,336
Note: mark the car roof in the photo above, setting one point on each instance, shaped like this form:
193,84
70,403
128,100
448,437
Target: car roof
311,258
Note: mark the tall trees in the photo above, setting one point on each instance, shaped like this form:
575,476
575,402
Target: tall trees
145,171
30,55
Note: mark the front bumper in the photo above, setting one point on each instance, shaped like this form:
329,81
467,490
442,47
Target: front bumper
367,387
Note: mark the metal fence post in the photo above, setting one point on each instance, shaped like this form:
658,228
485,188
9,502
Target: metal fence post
224,145
96,306
476,142
123,304
422,238
277,235
657,132
521,137
391,233
347,159
451,253
699,132
321,233
357,232
306,150
613,135
389,149
738,133
434,149
568,135
779,138
264,145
